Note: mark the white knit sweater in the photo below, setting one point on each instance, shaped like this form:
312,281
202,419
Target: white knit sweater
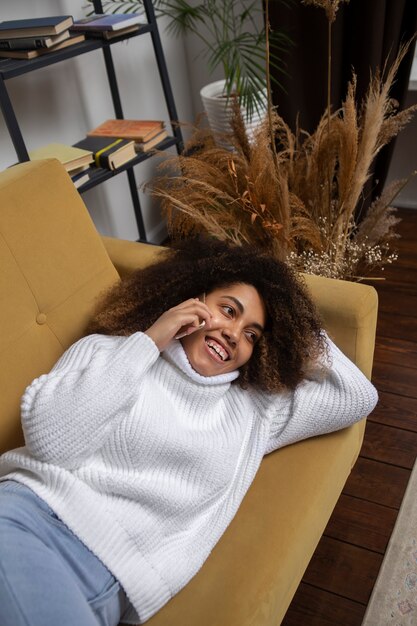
147,461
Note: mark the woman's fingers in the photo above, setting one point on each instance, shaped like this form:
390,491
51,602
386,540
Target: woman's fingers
181,320
188,330
195,307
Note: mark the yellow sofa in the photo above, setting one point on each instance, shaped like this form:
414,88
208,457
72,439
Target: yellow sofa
53,264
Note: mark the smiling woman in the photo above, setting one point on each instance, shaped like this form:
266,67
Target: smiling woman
140,445
268,307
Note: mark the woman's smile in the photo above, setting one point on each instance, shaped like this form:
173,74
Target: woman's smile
217,350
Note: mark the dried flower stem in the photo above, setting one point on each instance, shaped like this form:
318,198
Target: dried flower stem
268,86
377,105
329,90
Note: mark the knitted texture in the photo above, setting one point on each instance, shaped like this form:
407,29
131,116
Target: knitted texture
147,461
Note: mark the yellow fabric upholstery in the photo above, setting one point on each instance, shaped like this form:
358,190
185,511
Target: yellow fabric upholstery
53,266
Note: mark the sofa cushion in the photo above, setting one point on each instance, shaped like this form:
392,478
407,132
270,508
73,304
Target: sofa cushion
53,266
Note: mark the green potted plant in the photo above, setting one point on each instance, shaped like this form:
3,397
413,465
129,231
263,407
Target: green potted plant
233,37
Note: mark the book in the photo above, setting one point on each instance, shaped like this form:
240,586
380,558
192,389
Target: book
145,146
79,178
81,168
71,157
32,43
35,26
138,130
32,54
111,34
100,21
109,152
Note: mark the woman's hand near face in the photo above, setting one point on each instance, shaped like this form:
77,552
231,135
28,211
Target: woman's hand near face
181,320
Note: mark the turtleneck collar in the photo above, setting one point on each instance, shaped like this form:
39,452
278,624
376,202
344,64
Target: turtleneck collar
175,354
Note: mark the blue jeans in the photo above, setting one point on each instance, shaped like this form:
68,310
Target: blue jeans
48,577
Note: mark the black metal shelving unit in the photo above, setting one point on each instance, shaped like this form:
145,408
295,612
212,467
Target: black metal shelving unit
10,68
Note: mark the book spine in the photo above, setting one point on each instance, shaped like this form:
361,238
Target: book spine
26,43
102,160
87,28
102,157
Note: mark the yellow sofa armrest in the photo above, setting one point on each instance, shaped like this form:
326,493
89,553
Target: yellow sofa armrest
349,313
128,256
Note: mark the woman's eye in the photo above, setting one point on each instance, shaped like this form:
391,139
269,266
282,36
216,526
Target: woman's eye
228,309
252,337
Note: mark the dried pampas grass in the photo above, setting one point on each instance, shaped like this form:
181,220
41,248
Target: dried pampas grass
297,195
330,7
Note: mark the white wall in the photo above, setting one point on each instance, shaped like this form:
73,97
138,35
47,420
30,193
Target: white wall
197,71
404,160
63,101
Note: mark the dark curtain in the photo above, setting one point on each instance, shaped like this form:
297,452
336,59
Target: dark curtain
365,34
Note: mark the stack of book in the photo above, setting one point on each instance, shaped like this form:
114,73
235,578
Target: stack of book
109,146
108,152
115,142
108,26
146,134
27,39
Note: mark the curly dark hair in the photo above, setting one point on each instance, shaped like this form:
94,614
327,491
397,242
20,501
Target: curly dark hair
292,339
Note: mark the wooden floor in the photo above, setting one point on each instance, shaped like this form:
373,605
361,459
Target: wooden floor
339,580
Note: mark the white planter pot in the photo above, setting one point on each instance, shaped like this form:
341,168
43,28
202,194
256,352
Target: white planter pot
219,110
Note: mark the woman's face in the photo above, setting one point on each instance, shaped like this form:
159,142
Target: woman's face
238,321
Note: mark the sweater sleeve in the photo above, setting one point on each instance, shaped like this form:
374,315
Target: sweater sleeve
340,397
68,414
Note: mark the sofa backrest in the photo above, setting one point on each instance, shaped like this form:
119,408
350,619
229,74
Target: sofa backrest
53,265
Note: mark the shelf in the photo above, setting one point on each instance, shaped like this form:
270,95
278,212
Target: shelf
9,68
99,175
